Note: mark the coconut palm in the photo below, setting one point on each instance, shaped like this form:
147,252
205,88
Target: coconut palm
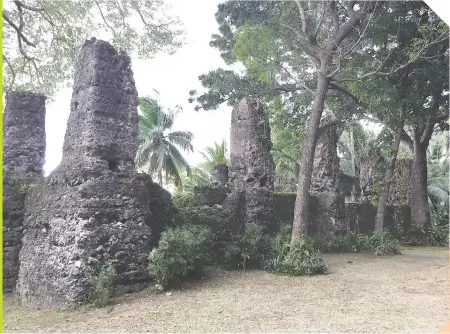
214,155
159,150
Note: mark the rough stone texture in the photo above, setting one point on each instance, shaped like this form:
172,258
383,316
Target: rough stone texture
326,185
220,175
251,166
371,175
400,190
94,209
23,160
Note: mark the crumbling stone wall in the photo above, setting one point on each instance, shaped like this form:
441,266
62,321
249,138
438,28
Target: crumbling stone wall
371,175
400,190
94,209
360,216
251,166
220,175
23,161
326,185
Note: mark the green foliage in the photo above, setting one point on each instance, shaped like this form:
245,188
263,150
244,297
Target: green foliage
384,244
303,260
159,149
215,155
101,286
258,48
247,250
41,57
181,253
378,244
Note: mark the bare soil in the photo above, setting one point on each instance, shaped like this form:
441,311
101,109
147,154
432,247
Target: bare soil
362,293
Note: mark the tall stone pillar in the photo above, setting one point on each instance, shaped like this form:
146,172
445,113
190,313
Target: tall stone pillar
326,185
93,210
23,161
251,167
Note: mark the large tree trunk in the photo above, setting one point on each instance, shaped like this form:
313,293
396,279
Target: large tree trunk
300,223
420,210
382,202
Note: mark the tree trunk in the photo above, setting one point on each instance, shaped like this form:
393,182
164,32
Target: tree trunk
300,223
420,210
382,202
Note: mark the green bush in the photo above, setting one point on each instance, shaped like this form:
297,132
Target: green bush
181,253
101,286
247,250
304,260
439,228
384,244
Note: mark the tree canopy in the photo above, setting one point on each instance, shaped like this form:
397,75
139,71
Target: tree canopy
41,38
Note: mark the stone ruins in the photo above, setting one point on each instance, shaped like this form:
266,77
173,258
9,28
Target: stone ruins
325,183
94,209
251,166
23,161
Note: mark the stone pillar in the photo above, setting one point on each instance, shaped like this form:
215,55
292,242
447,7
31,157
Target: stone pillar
93,210
371,175
400,190
326,185
251,167
23,161
220,175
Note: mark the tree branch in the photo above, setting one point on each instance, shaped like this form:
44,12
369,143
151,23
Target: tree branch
104,19
18,30
13,74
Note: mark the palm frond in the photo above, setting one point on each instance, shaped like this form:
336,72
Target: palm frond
178,158
182,139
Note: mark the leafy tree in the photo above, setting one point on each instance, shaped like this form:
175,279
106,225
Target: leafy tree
159,150
41,38
414,45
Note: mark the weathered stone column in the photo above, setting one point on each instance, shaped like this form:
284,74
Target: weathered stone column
251,167
93,210
400,190
371,175
23,161
326,185
220,175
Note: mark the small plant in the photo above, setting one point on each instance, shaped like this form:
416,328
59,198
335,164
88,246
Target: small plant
384,244
248,250
102,286
181,253
304,260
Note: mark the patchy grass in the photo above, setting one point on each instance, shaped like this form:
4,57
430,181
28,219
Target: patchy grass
362,293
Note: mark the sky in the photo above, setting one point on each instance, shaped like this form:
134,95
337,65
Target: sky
173,76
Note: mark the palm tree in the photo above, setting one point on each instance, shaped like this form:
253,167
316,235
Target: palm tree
159,151
214,155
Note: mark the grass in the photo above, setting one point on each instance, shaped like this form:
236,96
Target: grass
362,293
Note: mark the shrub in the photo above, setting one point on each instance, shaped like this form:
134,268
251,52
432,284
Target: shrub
439,228
102,286
383,244
304,260
248,250
181,253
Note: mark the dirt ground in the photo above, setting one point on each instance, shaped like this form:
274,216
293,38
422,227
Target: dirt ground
406,293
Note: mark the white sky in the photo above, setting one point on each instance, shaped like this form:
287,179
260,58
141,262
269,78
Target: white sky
173,77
